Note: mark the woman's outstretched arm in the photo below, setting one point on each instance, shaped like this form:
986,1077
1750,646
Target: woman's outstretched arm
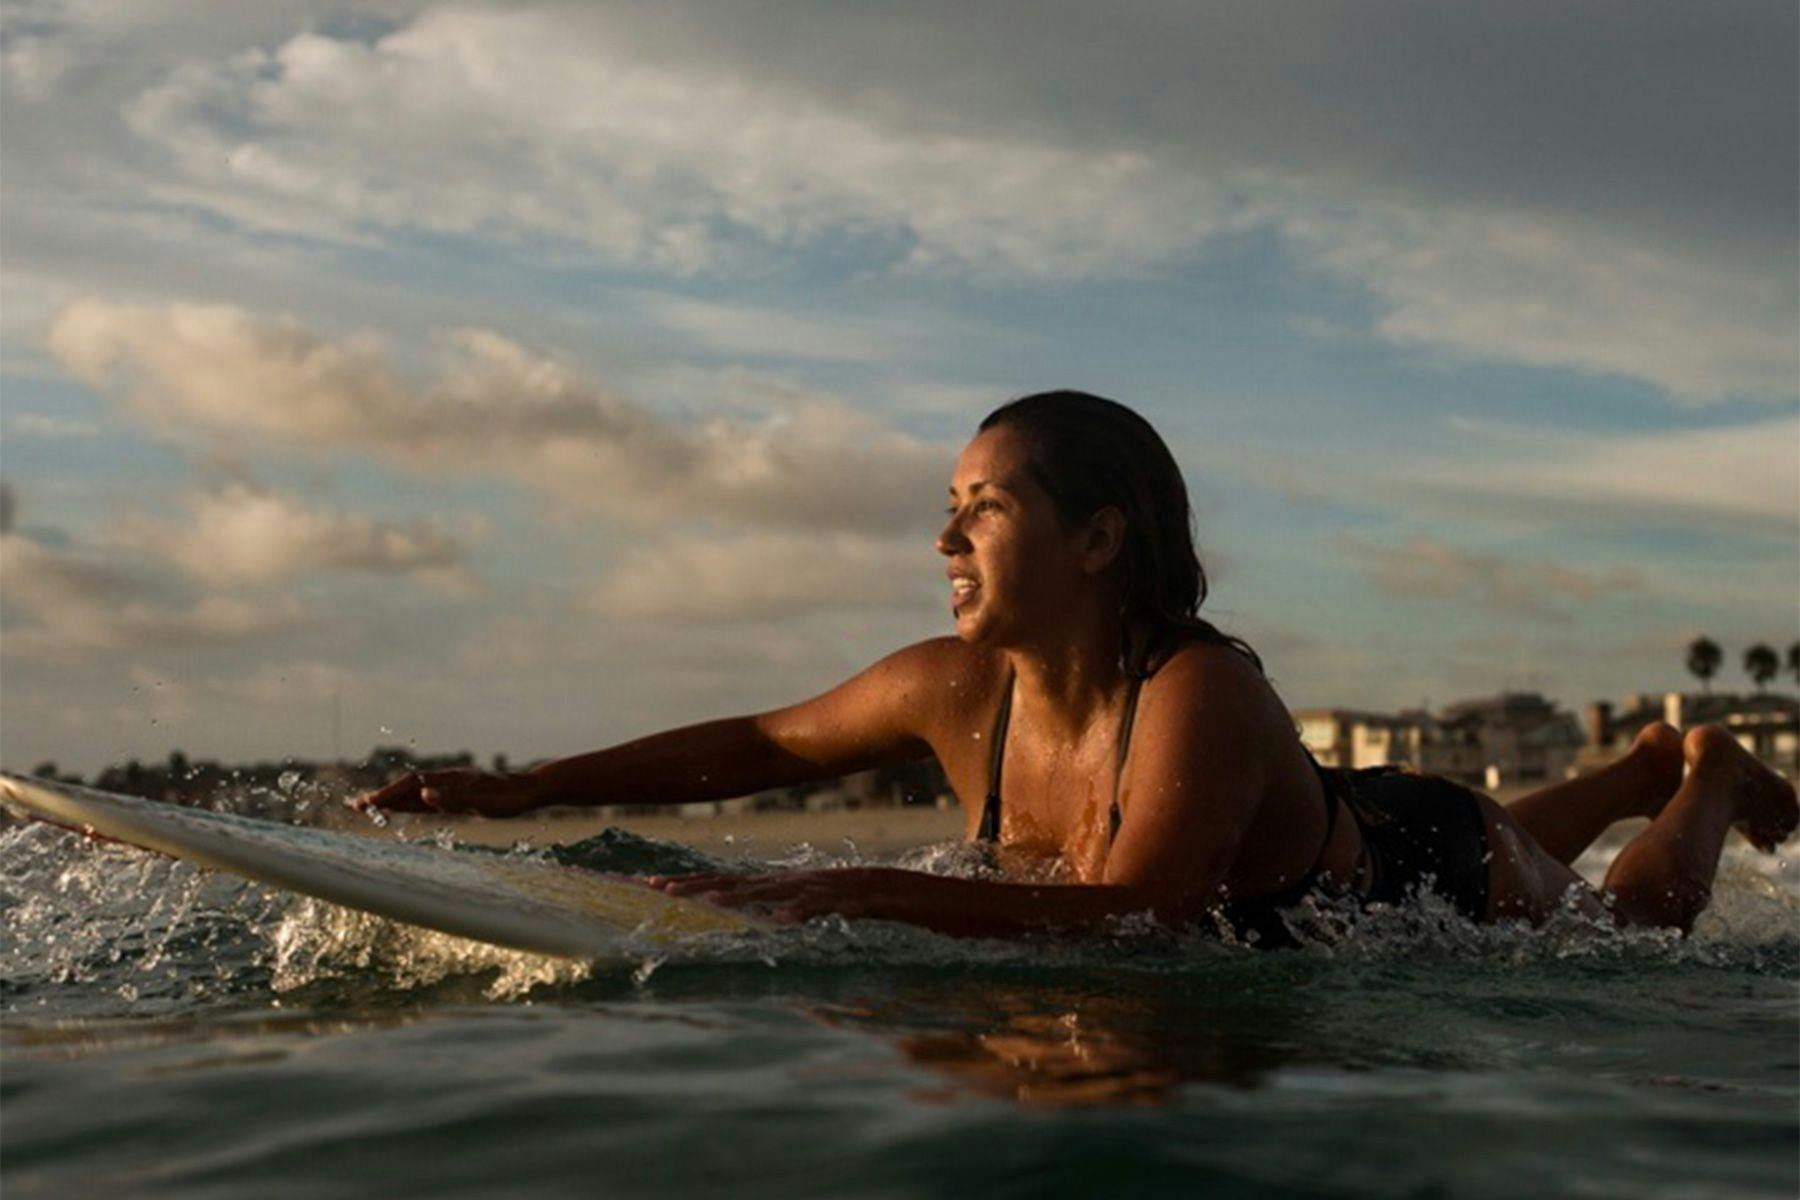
877,717
1194,784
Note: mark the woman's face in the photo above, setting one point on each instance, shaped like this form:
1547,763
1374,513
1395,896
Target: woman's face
1013,567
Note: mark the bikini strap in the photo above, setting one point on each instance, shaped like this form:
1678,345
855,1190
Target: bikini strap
989,830
990,809
1116,815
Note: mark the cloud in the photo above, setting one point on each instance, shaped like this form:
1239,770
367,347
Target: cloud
59,604
734,329
499,410
217,368
1742,478
1427,568
38,425
641,160
1642,230
1565,292
243,534
765,575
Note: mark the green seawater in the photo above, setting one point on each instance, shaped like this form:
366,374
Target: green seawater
165,1032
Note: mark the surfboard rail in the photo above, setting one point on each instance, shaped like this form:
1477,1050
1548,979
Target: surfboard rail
525,904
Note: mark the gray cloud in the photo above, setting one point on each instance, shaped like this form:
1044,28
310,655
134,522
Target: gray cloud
1611,189
1425,567
1661,113
62,604
1740,481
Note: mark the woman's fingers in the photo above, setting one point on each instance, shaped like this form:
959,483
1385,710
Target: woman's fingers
785,896
457,790
402,795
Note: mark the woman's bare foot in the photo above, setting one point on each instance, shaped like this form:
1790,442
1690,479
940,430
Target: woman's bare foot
1659,748
1766,809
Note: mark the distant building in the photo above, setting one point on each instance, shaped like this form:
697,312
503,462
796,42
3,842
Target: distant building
1523,737
1351,738
1515,737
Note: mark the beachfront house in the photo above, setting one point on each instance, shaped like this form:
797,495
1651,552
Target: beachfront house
1512,738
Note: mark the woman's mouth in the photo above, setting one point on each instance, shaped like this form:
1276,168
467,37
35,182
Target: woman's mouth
961,589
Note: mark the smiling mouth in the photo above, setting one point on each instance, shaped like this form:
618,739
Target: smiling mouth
960,591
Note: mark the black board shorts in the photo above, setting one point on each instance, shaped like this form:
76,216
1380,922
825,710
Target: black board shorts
1420,832
1423,832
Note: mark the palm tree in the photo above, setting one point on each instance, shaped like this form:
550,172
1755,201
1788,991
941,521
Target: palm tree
1793,661
1761,663
1703,659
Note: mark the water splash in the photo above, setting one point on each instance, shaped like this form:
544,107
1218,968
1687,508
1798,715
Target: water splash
98,928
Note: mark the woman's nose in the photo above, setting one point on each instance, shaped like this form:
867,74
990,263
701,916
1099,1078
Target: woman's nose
950,539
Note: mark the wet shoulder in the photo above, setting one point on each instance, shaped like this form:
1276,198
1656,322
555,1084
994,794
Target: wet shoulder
1207,677
954,684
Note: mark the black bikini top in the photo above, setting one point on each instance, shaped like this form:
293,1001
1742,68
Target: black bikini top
990,809
989,831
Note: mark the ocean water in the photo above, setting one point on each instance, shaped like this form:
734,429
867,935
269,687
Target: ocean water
169,1032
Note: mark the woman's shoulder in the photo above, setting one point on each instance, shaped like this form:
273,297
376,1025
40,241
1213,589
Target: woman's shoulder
949,659
1205,664
1200,676
948,666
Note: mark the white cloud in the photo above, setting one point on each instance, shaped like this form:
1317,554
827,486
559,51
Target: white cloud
246,535
677,166
499,410
765,575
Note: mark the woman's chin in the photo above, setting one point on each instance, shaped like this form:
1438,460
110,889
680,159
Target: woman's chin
973,627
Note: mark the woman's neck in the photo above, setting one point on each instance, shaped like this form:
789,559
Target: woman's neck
1071,681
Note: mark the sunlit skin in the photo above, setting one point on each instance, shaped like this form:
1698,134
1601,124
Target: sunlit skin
1218,797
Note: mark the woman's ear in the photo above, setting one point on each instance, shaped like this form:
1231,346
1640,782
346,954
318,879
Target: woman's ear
1105,540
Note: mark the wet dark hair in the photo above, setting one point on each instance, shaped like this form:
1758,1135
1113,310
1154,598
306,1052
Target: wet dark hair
1089,453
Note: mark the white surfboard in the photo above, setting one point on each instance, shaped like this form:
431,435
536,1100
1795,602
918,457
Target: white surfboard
525,904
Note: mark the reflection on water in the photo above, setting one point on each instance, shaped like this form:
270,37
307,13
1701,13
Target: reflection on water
1061,1047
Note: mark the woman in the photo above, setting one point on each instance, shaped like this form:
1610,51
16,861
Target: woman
1087,716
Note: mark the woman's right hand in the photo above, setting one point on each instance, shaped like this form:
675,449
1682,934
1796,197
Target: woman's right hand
458,790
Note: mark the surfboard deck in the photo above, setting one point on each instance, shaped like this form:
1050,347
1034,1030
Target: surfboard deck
524,904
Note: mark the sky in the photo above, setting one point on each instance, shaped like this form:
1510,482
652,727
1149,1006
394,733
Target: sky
523,378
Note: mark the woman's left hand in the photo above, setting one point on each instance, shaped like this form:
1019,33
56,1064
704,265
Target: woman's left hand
786,895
